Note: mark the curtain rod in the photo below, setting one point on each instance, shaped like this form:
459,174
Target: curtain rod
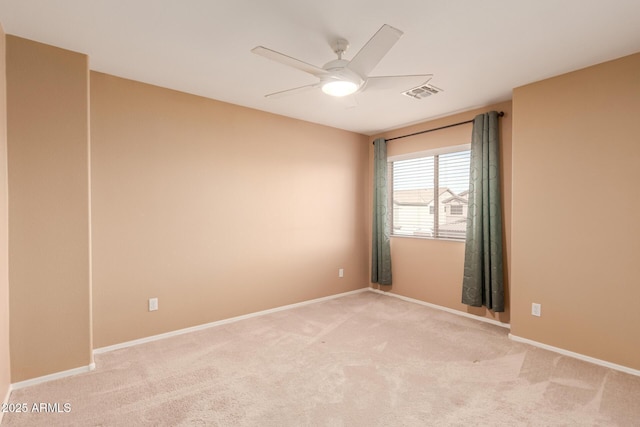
500,114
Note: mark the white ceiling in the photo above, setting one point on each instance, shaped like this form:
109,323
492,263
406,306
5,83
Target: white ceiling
478,51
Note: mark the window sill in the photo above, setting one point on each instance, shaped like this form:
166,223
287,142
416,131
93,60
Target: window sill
427,238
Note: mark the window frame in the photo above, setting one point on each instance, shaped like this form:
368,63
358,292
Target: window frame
415,155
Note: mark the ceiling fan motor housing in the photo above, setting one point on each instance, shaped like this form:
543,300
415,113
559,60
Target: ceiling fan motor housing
338,71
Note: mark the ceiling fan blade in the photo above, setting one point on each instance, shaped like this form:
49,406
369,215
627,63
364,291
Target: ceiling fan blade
375,49
293,91
396,82
289,61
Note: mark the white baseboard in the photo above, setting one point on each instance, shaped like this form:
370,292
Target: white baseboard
92,365
54,376
221,322
447,309
579,356
564,352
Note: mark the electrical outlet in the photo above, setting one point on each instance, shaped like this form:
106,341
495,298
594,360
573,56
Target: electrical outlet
153,304
341,272
536,309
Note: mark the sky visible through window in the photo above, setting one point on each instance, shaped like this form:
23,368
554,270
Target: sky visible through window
454,171
419,173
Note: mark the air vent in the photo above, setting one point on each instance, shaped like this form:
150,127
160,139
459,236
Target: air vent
422,92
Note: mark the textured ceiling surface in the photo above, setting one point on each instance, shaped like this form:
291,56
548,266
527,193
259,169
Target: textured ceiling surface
477,51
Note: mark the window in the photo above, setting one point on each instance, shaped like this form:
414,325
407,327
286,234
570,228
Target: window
456,210
429,192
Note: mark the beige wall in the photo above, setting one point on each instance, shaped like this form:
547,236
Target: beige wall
576,236
5,364
208,207
217,210
47,124
431,270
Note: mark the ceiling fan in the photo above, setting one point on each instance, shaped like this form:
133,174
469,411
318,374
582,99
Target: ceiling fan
341,77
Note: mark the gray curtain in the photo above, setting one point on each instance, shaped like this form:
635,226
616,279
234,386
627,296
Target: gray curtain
381,248
483,282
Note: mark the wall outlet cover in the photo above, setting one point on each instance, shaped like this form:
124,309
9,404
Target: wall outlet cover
536,309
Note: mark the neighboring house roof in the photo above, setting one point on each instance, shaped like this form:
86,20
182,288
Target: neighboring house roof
458,199
464,194
420,196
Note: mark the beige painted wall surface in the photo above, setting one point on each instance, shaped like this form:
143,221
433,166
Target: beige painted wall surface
576,235
5,359
431,270
47,103
215,209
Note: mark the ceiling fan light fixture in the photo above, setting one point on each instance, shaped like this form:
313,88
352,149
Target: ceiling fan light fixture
339,87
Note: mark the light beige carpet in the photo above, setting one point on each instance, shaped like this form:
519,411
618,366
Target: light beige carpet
360,360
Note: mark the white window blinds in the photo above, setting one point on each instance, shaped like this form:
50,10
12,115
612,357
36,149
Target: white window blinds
429,195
